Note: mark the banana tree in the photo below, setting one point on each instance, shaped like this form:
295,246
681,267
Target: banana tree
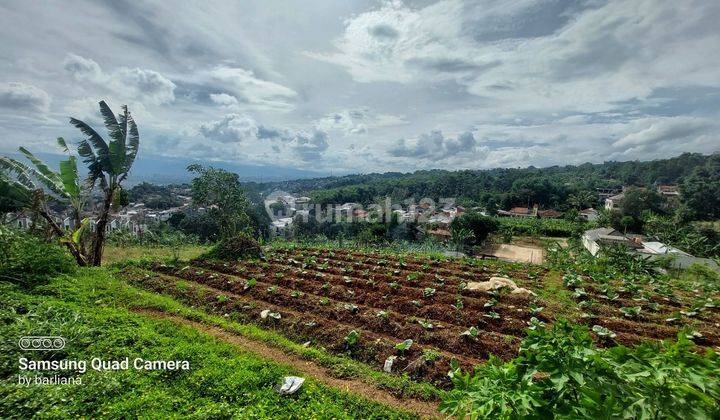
109,164
30,184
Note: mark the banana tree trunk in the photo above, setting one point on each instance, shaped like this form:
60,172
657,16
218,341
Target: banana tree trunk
99,240
71,246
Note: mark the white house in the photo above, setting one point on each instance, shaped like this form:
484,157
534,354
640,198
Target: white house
593,239
281,227
614,202
589,214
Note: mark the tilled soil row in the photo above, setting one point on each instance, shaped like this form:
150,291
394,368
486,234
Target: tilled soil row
446,336
454,271
405,299
372,348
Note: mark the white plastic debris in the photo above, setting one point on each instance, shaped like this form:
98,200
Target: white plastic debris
290,385
387,367
264,314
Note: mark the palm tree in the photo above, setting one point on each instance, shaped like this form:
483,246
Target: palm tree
581,199
30,183
109,164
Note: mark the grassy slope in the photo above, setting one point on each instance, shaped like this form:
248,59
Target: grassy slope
89,310
115,254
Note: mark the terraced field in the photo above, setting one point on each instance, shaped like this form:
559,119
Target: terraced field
366,304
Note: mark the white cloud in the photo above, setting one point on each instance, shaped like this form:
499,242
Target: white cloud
590,62
231,128
128,84
245,89
357,121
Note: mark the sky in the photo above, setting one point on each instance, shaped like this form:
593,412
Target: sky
369,86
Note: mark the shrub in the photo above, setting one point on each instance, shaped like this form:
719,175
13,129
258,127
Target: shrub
238,247
561,373
27,260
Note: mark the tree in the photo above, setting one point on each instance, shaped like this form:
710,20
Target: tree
27,186
461,237
220,192
109,164
581,199
480,226
701,190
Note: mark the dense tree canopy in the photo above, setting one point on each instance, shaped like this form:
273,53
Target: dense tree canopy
559,187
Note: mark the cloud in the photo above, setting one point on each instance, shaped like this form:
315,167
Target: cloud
554,56
231,128
357,121
434,146
238,88
309,146
678,129
126,83
303,145
21,97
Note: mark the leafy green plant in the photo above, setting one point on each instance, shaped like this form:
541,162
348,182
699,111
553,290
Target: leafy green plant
404,346
631,312
559,373
471,332
352,339
428,292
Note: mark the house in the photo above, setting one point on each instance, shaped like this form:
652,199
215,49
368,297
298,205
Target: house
549,214
614,202
440,234
519,212
441,220
605,193
668,190
594,239
589,214
281,227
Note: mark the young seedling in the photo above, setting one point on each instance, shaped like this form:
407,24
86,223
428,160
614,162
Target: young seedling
535,309
351,308
428,292
352,339
491,303
404,346
535,323
492,315
430,355
631,312
471,332
603,332
250,284
425,324
382,314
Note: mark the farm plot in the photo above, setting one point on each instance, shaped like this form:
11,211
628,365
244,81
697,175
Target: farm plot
415,311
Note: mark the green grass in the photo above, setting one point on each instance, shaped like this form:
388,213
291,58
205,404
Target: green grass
116,254
90,309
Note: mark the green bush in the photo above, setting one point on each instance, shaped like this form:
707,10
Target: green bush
27,260
560,373
238,247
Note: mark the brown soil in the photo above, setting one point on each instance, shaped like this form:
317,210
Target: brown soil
423,409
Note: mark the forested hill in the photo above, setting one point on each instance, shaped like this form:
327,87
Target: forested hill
505,187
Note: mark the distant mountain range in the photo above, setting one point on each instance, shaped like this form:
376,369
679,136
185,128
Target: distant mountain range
166,170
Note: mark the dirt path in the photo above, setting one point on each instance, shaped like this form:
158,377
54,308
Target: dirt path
421,408
517,253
